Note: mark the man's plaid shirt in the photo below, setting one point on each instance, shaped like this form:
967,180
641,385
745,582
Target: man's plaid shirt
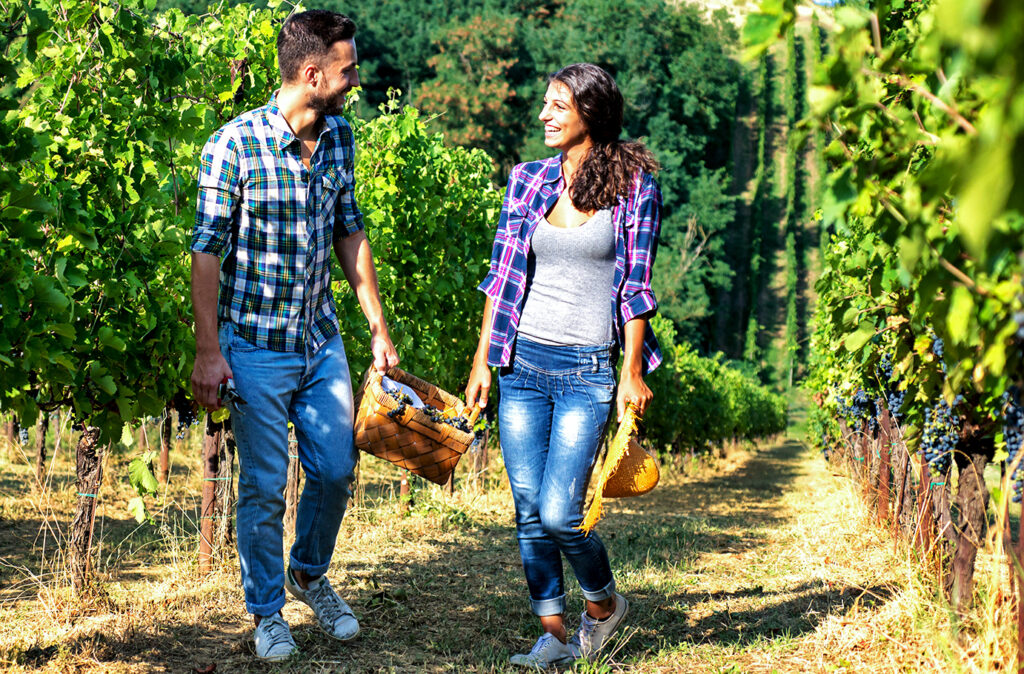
272,221
533,189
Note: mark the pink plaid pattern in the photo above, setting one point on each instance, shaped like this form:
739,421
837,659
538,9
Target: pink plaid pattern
533,188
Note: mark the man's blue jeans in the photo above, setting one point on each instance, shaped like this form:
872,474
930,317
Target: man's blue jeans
313,391
555,402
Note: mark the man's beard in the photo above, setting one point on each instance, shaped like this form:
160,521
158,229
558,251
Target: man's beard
327,105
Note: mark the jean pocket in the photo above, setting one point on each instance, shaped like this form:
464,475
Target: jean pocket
239,345
602,379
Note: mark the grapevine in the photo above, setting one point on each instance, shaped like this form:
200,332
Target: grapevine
1013,434
940,434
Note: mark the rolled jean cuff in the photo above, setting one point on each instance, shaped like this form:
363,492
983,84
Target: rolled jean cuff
545,607
602,594
309,569
269,608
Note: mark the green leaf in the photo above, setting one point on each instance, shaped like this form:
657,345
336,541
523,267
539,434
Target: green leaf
855,341
137,509
961,308
140,475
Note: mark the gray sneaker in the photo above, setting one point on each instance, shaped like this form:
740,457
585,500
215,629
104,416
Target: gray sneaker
273,639
594,634
547,652
333,614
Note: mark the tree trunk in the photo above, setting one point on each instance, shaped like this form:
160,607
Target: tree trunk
211,475
165,448
11,436
291,490
971,528
89,459
42,425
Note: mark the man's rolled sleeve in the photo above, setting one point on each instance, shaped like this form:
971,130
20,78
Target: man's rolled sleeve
638,296
348,219
219,194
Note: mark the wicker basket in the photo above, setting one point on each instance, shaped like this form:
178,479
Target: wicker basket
411,439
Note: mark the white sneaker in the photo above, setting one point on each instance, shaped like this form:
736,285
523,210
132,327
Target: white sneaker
273,639
594,634
333,614
547,652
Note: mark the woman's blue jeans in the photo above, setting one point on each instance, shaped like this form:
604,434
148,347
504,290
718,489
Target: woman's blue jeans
313,391
555,402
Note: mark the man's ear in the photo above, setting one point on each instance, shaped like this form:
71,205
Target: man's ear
310,73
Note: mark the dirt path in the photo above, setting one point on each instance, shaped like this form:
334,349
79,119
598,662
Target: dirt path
760,563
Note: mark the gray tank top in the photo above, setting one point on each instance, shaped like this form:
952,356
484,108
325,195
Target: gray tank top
569,283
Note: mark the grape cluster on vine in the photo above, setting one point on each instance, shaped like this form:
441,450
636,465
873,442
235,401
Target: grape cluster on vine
940,435
893,396
1013,419
23,436
858,407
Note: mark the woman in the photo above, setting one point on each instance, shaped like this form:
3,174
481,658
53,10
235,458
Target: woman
569,286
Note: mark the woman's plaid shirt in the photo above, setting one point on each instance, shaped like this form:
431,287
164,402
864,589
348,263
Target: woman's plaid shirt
272,221
533,188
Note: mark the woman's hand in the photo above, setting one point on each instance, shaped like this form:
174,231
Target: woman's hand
479,385
632,389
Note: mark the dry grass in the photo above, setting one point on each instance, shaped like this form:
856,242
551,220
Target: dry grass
757,562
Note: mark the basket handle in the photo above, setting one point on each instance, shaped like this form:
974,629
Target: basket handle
474,412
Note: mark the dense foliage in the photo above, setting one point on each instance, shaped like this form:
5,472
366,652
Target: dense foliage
923,108
701,402
478,70
113,106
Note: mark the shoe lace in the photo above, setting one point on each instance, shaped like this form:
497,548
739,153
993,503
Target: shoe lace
541,643
587,627
330,604
275,629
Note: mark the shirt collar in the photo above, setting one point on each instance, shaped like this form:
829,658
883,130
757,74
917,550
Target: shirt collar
553,169
283,132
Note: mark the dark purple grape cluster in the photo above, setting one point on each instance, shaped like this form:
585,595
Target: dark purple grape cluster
893,397
23,436
858,407
940,434
1013,420
938,348
435,415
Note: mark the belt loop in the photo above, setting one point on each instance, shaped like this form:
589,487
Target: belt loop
593,362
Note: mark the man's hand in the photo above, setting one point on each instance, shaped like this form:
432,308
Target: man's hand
385,356
209,371
479,385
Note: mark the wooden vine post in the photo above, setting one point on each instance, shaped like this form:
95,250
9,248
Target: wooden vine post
1020,595
165,448
404,494
89,468
212,439
42,425
925,519
885,465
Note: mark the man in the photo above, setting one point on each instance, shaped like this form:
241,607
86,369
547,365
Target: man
275,193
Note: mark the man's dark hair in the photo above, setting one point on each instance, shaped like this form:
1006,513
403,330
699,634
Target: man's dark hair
309,36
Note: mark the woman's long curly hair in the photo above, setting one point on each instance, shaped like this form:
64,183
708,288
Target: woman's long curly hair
608,170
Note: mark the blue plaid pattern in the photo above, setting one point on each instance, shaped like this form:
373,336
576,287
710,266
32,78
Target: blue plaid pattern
533,188
272,223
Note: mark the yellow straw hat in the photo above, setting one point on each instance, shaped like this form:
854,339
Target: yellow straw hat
627,471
